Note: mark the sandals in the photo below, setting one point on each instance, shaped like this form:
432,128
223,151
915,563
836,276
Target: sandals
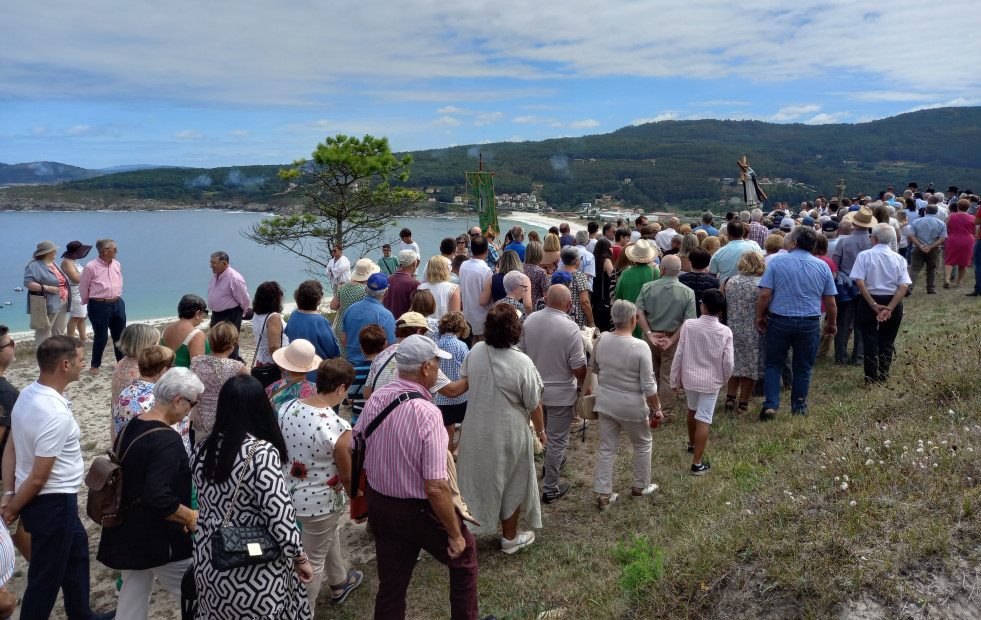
730,402
743,407
340,594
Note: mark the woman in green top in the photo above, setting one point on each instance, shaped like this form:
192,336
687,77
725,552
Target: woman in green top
183,337
353,291
642,255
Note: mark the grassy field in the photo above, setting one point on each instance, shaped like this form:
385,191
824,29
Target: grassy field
866,508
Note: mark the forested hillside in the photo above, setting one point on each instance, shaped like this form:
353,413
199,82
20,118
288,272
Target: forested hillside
681,164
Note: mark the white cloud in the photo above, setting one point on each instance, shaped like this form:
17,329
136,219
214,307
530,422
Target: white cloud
663,116
241,133
39,130
486,118
953,103
189,134
586,124
80,130
530,118
449,121
764,40
827,119
793,112
450,109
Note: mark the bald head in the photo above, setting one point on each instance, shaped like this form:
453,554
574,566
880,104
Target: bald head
559,297
846,227
674,223
671,265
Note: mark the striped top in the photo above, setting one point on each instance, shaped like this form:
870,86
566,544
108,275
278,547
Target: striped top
704,359
6,556
409,447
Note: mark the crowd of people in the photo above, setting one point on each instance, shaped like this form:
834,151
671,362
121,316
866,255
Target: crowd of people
444,382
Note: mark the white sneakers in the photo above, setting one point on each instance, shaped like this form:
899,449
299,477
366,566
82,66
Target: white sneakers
522,540
641,493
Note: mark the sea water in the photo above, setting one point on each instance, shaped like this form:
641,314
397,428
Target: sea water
164,254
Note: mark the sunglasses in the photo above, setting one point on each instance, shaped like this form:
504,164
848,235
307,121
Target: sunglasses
9,344
192,403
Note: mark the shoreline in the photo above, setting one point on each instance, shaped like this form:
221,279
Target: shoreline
535,219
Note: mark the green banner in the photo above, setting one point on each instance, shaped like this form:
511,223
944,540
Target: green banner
482,189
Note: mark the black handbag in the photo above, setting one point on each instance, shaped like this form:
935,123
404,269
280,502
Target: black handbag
242,545
267,374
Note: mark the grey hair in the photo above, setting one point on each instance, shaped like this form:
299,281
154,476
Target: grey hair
621,312
756,215
677,238
408,369
178,381
136,337
582,237
102,244
932,209
804,236
569,255
513,279
375,294
888,196
221,256
884,233
671,264
845,227
517,233
744,216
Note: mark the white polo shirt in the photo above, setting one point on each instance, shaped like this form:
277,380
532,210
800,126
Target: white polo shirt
43,425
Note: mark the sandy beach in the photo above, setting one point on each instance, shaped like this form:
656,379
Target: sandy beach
90,403
90,398
536,219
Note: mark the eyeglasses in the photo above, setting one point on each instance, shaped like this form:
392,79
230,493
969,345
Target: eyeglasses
9,344
461,243
192,403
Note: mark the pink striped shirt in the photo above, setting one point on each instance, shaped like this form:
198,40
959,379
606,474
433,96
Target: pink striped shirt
100,280
703,361
408,447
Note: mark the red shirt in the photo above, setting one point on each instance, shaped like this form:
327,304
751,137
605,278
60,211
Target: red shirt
400,288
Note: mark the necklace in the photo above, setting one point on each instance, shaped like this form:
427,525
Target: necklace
153,410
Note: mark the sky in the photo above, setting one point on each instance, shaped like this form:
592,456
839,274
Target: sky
217,83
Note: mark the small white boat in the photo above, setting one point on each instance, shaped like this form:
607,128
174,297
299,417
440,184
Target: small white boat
19,289
8,303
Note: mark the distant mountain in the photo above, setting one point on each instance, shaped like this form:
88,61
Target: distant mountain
44,172
130,168
681,165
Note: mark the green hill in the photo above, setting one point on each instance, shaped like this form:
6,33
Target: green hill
682,164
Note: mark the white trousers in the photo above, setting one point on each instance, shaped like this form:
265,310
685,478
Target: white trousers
134,597
323,548
640,439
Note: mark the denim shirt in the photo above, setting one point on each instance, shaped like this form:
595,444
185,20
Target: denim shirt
37,271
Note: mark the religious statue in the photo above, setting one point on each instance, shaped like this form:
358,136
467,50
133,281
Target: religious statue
841,189
752,193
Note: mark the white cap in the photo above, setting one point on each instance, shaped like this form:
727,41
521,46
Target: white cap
407,257
417,349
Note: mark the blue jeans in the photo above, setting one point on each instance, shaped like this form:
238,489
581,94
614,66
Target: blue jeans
803,336
60,554
106,317
977,267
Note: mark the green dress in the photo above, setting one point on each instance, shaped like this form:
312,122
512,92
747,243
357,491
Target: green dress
182,356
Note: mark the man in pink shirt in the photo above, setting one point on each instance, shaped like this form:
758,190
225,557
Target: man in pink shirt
702,365
410,505
228,296
101,288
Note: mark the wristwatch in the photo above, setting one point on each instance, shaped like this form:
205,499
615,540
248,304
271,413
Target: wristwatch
10,492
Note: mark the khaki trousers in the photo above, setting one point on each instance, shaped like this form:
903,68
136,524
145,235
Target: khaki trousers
640,439
662,360
323,549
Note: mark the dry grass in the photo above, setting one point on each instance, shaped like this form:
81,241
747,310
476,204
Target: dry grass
865,508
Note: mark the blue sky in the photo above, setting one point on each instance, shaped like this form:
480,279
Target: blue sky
103,83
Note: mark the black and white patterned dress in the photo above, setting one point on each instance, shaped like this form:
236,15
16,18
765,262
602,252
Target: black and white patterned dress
270,590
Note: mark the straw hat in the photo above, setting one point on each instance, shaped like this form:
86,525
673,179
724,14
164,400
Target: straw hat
862,218
45,247
641,252
297,356
363,269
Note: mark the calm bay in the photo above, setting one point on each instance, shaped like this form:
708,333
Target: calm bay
164,254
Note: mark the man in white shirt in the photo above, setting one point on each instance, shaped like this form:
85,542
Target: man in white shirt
882,279
338,268
639,222
47,476
663,238
474,274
